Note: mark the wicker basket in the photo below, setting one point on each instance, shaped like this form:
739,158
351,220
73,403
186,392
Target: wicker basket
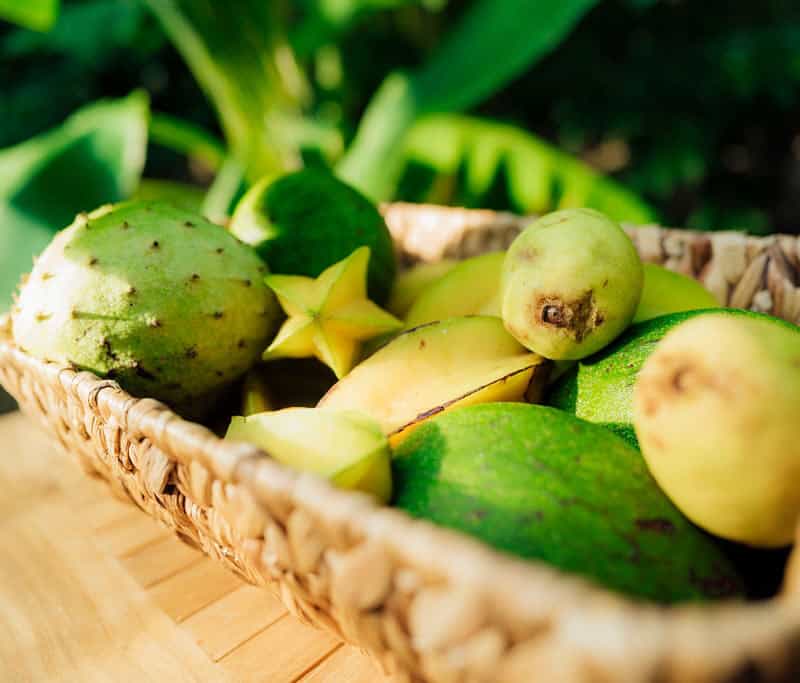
428,603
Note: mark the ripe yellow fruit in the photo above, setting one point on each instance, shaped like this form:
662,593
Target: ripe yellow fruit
571,283
329,316
471,288
716,411
438,367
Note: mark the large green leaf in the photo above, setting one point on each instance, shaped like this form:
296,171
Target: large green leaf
237,53
39,15
95,157
467,159
493,43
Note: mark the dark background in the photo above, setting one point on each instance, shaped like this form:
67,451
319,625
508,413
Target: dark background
694,106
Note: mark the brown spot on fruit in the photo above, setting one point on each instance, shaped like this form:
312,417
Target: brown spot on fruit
93,261
189,224
142,372
191,352
194,277
680,379
108,349
656,525
217,315
155,245
125,225
553,315
649,405
422,344
242,344
577,317
429,413
220,250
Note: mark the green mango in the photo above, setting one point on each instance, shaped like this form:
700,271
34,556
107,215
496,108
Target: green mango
600,388
302,223
541,484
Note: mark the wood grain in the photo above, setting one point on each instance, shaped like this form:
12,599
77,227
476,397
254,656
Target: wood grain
184,594
281,654
91,589
225,624
160,560
68,611
346,665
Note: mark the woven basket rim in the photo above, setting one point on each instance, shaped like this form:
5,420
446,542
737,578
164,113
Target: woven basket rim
528,585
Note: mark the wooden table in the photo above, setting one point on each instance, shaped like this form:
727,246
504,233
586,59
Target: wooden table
91,589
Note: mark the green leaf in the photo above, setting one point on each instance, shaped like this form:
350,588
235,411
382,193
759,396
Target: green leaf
90,32
95,157
237,53
39,15
477,156
186,138
495,41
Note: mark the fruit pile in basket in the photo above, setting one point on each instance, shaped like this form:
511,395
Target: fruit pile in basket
560,401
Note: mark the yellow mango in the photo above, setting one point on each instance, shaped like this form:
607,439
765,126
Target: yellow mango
438,367
471,288
410,284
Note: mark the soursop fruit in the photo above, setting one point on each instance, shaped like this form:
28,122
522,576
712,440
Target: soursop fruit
159,299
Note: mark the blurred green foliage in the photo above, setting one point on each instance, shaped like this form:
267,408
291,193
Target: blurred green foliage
649,110
96,156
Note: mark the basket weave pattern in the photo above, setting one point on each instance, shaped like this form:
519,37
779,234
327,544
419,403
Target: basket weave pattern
429,604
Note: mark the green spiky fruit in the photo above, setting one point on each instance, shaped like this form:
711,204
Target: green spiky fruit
168,304
571,282
304,222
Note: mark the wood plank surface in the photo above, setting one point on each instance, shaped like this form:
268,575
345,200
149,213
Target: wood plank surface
68,611
223,625
281,654
91,589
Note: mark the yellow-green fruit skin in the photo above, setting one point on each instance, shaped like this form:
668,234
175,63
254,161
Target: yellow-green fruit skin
571,283
716,411
171,306
471,288
665,291
346,447
409,285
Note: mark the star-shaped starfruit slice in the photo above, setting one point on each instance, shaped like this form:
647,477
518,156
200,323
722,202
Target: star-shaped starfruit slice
330,316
